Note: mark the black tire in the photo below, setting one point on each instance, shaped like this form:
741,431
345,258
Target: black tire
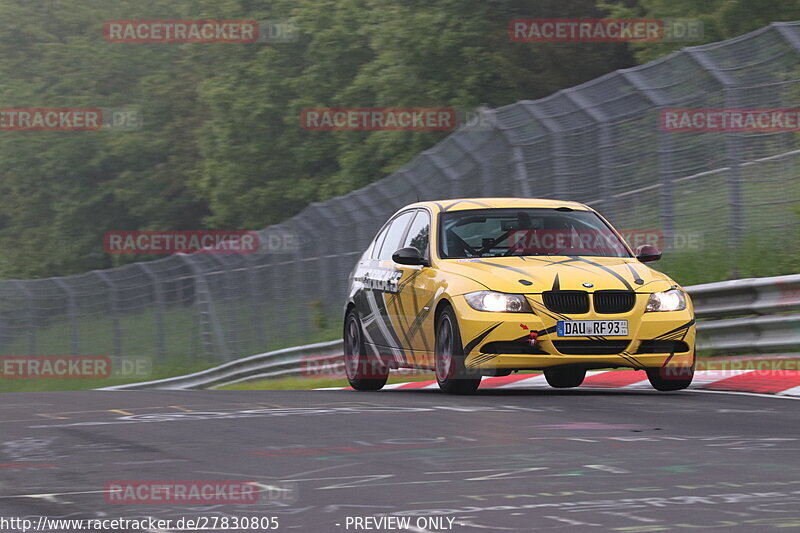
670,379
364,372
451,374
564,378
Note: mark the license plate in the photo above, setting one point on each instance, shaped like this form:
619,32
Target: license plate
591,328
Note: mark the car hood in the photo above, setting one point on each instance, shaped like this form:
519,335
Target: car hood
531,274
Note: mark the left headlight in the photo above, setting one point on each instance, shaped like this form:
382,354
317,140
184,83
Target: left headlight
671,300
498,302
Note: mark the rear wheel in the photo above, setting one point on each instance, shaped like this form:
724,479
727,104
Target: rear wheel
451,374
564,378
363,372
670,378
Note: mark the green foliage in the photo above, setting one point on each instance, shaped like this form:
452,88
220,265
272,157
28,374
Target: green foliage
221,145
721,19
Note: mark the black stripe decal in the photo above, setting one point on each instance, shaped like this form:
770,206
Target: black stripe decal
637,279
481,359
552,314
418,320
606,269
679,328
382,316
635,363
474,342
548,331
518,271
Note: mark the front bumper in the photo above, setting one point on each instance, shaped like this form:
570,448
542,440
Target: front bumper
500,340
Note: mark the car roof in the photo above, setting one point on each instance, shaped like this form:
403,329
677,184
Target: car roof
462,204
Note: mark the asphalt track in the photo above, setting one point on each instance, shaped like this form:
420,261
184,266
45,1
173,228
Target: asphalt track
501,460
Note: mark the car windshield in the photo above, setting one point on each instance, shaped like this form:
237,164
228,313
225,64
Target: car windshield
526,232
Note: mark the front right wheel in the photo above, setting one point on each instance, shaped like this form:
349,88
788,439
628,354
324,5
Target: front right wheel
451,373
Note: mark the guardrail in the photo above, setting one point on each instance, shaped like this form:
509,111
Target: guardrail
758,296
730,302
280,363
724,311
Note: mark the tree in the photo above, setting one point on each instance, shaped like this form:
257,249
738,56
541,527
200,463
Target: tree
721,19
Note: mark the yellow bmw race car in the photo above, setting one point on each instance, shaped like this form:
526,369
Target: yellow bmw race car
489,286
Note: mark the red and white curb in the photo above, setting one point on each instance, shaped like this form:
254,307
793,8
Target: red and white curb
778,382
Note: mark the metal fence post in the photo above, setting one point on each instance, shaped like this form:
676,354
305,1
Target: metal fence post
469,154
326,250
231,332
555,135
210,329
666,195
29,316
732,148
453,177
158,299
605,142
112,295
71,314
255,294
520,170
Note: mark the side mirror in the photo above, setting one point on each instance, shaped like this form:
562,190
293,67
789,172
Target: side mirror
409,256
648,253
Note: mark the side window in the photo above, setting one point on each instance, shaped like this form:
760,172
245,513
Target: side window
368,252
375,247
419,233
396,231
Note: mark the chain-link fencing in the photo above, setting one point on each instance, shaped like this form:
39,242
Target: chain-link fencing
601,143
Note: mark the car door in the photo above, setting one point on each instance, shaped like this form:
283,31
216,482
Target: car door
414,300
381,281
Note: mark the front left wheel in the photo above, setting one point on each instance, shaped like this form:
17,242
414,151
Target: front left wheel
451,373
363,372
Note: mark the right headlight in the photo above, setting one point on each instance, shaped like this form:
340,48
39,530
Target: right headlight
671,300
498,302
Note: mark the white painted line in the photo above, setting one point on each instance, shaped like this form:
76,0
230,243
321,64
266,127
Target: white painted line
701,379
52,495
740,393
705,377
533,382
794,391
